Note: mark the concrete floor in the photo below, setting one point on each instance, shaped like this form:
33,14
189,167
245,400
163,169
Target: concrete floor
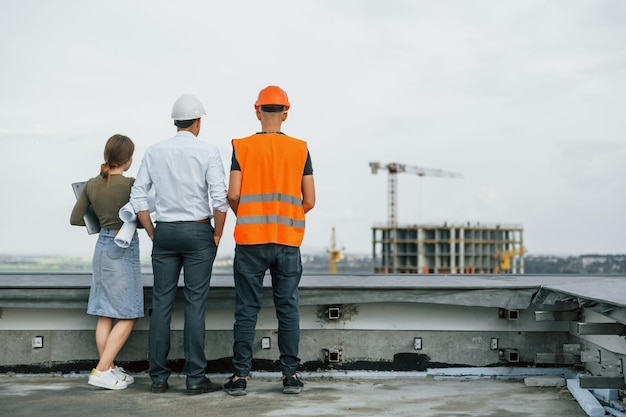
51,396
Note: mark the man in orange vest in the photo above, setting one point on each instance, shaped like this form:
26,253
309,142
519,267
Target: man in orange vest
271,188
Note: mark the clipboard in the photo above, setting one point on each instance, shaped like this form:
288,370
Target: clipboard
91,220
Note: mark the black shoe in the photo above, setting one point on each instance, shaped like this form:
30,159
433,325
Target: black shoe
159,388
237,387
292,385
206,386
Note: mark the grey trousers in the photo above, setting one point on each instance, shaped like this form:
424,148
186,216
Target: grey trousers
188,246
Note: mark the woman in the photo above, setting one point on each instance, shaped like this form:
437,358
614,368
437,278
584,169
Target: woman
116,294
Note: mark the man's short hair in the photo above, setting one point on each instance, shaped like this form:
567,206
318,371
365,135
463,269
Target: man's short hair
184,124
272,108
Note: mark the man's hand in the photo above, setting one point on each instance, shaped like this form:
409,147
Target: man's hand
146,222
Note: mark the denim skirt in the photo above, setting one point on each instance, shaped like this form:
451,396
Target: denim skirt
116,288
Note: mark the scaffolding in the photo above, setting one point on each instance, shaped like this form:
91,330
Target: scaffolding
448,249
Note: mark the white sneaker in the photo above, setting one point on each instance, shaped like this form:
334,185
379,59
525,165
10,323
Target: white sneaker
121,374
105,379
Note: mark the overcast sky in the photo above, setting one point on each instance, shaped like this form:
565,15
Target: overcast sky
526,99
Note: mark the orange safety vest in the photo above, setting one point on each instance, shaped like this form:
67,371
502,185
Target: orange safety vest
270,203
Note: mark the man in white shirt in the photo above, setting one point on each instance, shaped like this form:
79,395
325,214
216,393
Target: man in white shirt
186,175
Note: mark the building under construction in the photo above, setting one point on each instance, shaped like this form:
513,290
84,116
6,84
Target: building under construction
448,249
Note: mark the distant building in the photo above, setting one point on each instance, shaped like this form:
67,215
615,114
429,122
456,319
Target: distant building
448,249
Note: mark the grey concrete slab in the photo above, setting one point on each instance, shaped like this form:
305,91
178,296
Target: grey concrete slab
507,291
25,395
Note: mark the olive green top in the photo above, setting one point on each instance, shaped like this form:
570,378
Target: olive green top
106,200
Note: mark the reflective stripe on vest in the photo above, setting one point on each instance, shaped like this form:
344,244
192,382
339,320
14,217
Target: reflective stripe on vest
285,221
266,198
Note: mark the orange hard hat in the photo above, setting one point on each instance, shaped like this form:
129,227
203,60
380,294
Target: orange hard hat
272,95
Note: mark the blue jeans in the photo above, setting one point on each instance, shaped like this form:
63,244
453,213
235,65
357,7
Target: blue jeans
285,266
190,246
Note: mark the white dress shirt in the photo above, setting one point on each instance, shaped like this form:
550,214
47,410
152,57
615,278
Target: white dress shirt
184,173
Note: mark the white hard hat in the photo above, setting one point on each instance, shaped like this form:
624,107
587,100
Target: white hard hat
187,107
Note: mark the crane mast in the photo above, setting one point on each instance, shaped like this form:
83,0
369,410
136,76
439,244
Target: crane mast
335,254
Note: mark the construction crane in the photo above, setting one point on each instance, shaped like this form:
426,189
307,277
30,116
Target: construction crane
505,259
392,183
335,254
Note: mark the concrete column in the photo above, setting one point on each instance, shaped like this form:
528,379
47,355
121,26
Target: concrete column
462,250
452,251
421,258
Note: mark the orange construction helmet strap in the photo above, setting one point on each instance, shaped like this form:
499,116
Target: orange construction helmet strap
272,96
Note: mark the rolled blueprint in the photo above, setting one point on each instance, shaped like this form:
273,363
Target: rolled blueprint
128,216
125,235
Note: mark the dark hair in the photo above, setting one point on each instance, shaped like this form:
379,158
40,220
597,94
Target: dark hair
184,124
272,108
117,151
